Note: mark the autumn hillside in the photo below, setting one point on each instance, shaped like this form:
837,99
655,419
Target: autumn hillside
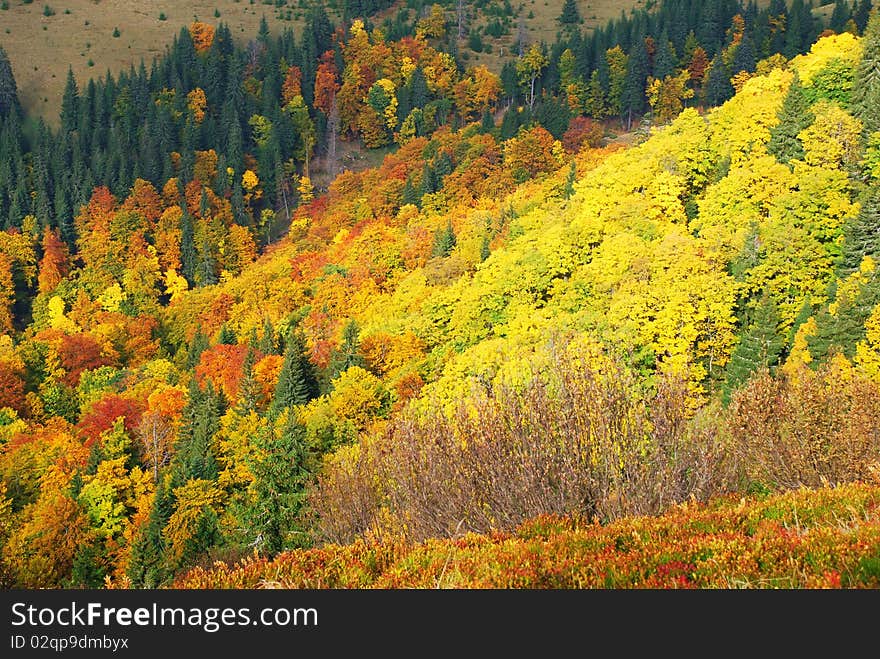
517,343
829,538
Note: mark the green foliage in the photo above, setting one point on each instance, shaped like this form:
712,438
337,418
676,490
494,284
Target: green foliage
297,383
794,117
759,346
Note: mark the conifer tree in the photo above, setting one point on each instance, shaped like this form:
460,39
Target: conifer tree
297,383
8,89
348,352
444,241
866,81
69,104
281,467
570,14
760,345
794,116
861,234
718,88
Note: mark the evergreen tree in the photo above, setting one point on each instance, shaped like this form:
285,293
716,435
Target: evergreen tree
297,383
200,421
248,389
195,348
570,14
760,346
861,14
348,352
281,467
664,59
487,123
844,327
861,234
227,336
718,88
866,81
794,116
632,99
8,89
409,195
188,256
840,16
69,104
267,343
147,567
744,56
444,241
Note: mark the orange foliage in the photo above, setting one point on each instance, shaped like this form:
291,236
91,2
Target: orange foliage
78,353
211,320
582,131
292,85
100,416
266,373
205,168
12,387
222,365
202,35
326,84
144,200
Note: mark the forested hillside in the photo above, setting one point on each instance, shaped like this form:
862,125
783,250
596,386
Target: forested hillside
514,320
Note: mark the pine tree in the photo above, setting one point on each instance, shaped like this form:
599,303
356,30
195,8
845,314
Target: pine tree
195,348
570,14
200,421
409,195
487,123
632,99
866,81
297,383
840,16
8,89
843,329
861,234
744,56
147,568
760,346
718,87
69,104
227,336
444,241
861,14
794,116
281,467
348,352
188,256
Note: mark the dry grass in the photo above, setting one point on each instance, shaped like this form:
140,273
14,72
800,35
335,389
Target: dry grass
40,57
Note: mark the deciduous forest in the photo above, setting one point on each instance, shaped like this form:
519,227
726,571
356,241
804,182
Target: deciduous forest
603,315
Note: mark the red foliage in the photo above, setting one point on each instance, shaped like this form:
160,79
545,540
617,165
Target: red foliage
582,131
103,413
292,85
55,264
78,353
222,365
12,388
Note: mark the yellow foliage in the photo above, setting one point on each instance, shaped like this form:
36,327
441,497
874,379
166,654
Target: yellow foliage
57,319
175,285
192,500
844,46
249,180
833,139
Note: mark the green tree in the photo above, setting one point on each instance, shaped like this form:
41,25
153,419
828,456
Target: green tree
866,82
861,234
570,14
69,104
297,383
760,346
794,116
8,89
281,467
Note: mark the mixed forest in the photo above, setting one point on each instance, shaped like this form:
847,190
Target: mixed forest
608,316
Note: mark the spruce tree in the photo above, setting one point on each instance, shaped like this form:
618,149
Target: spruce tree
760,345
348,352
570,14
444,241
8,89
200,421
632,99
281,467
794,116
861,234
744,56
69,104
866,82
297,383
718,88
